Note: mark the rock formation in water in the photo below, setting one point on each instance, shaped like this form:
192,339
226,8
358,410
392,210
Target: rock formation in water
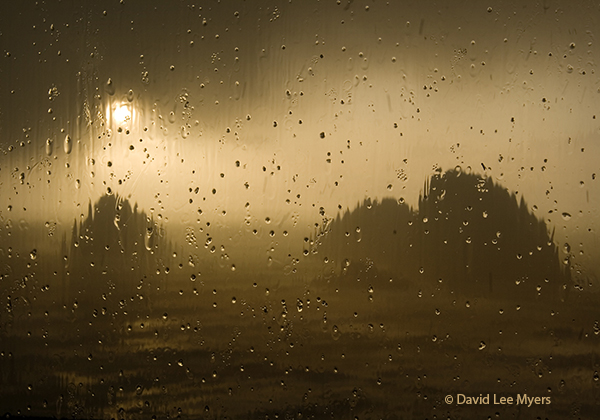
467,233
111,249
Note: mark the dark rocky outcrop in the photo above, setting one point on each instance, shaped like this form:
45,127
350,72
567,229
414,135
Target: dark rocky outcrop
467,233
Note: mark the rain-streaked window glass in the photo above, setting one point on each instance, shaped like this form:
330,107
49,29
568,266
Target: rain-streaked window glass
343,209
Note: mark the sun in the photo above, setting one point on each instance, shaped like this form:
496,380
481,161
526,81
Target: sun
122,114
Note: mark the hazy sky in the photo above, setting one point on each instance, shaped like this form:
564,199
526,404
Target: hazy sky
318,103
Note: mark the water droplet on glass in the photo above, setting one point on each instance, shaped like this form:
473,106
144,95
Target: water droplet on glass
147,238
335,332
49,147
110,87
68,145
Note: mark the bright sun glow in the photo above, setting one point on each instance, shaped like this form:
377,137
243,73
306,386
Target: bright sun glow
122,114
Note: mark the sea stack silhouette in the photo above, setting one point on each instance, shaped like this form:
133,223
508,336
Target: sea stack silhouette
468,235
111,249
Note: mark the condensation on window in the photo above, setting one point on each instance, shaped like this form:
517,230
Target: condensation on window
302,209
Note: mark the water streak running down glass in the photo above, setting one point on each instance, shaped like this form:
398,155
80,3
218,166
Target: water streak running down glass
304,209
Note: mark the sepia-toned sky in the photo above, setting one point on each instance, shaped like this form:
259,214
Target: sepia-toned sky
293,111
